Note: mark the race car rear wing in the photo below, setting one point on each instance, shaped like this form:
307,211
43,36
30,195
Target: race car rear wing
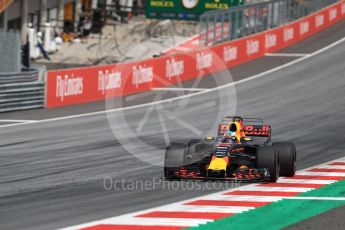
246,121
250,127
249,130
257,130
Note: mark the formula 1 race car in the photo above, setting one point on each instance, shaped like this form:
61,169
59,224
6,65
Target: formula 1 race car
233,154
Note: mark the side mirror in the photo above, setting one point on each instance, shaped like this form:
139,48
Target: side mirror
247,139
209,138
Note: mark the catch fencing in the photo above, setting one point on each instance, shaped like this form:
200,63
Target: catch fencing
236,22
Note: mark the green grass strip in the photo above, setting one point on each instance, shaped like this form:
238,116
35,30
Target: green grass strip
282,213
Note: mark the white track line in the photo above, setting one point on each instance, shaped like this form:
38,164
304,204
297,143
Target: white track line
179,89
158,221
246,197
286,55
17,121
275,189
331,167
192,94
207,209
303,181
321,174
184,206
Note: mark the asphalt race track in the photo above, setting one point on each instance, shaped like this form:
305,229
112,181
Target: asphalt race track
52,173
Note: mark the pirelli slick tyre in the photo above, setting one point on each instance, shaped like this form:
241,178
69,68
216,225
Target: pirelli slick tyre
267,158
287,158
174,159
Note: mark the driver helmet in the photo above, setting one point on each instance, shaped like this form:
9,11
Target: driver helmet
230,137
235,127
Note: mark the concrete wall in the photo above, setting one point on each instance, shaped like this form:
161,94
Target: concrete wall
10,52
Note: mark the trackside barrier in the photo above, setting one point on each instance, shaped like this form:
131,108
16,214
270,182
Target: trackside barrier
255,17
81,85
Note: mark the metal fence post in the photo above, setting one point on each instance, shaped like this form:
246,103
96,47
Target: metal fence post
244,20
256,20
214,29
237,23
286,12
269,15
252,18
222,29
227,20
206,31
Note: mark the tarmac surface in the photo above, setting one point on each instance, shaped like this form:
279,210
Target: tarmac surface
53,172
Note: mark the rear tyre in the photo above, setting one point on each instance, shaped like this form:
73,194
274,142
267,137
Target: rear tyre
174,159
287,158
267,158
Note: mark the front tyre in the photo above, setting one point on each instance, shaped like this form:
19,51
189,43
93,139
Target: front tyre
267,158
174,159
287,158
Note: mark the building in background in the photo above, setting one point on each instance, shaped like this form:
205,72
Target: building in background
61,14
